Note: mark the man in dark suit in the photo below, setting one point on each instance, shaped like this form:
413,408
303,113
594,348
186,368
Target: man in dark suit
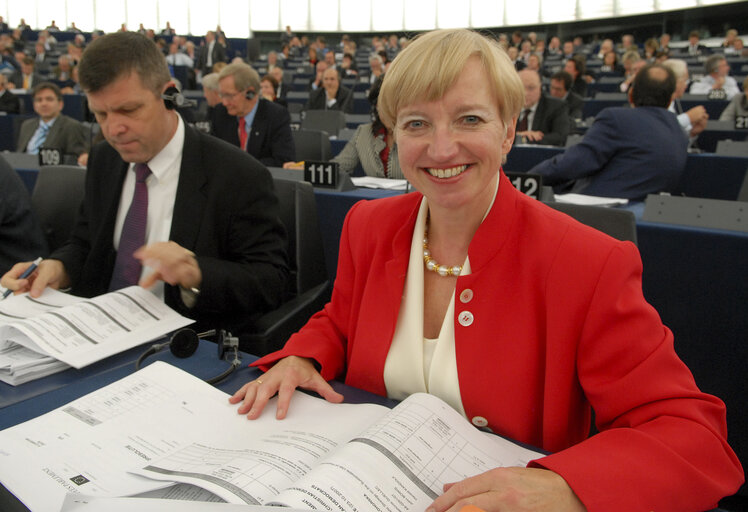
332,95
211,53
245,119
627,152
9,102
52,129
543,120
204,212
27,77
21,237
560,88
695,48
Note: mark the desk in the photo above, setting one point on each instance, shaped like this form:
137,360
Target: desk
203,364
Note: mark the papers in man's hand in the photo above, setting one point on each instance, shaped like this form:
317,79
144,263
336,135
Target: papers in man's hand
76,331
590,200
383,183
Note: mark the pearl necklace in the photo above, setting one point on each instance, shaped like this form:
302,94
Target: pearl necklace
431,263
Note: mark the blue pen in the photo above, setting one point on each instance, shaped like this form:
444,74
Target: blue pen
26,273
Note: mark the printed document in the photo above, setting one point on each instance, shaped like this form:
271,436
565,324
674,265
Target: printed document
79,331
165,426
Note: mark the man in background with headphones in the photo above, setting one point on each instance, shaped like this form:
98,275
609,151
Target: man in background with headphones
175,210
259,127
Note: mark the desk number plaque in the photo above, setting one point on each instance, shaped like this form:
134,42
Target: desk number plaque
321,174
528,184
50,156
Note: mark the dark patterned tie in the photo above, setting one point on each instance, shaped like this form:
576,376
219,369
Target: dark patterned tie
126,268
522,125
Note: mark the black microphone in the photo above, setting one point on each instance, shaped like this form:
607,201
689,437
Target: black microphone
183,343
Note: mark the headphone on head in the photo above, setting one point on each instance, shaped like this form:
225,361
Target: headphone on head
175,99
184,342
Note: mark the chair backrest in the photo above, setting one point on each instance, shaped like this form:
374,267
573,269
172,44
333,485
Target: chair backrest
312,145
732,147
743,194
330,121
56,198
620,224
298,211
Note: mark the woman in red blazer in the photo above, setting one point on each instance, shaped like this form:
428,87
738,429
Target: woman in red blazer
519,317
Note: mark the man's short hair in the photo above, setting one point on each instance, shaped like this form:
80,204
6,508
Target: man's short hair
119,54
46,86
653,91
693,33
245,76
210,81
711,65
678,66
564,77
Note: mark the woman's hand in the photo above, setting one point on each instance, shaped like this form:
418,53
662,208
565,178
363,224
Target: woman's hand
283,378
510,490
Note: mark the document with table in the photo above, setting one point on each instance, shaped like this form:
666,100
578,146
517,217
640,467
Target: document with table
162,426
40,336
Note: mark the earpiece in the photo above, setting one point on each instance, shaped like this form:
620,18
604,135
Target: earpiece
175,99
250,94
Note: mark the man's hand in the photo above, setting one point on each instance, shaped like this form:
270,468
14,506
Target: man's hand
532,135
510,490
49,273
172,264
698,117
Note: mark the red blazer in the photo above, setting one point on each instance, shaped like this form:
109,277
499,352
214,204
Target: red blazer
556,323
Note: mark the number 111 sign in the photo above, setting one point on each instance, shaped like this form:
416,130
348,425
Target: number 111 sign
321,174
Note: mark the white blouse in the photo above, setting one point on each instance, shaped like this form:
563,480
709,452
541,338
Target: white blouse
416,364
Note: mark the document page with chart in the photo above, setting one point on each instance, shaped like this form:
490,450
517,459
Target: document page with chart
394,460
87,445
402,462
87,330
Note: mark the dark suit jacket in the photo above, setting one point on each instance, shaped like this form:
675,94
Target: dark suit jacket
17,79
627,152
225,211
21,237
270,140
576,105
551,118
343,100
10,103
66,134
219,55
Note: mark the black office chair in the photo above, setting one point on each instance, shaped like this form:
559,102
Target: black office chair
312,145
330,121
620,224
56,198
306,254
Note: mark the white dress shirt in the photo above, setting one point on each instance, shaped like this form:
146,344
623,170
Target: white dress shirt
162,192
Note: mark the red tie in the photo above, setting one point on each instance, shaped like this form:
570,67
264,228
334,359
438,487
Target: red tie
242,133
522,125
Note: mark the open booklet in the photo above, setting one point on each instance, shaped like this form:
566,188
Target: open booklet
162,423
55,331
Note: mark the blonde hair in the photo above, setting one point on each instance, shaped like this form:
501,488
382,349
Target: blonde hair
431,64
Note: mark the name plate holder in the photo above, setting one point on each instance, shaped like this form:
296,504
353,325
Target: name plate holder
696,211
50,156
327,175
741,122
530,185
